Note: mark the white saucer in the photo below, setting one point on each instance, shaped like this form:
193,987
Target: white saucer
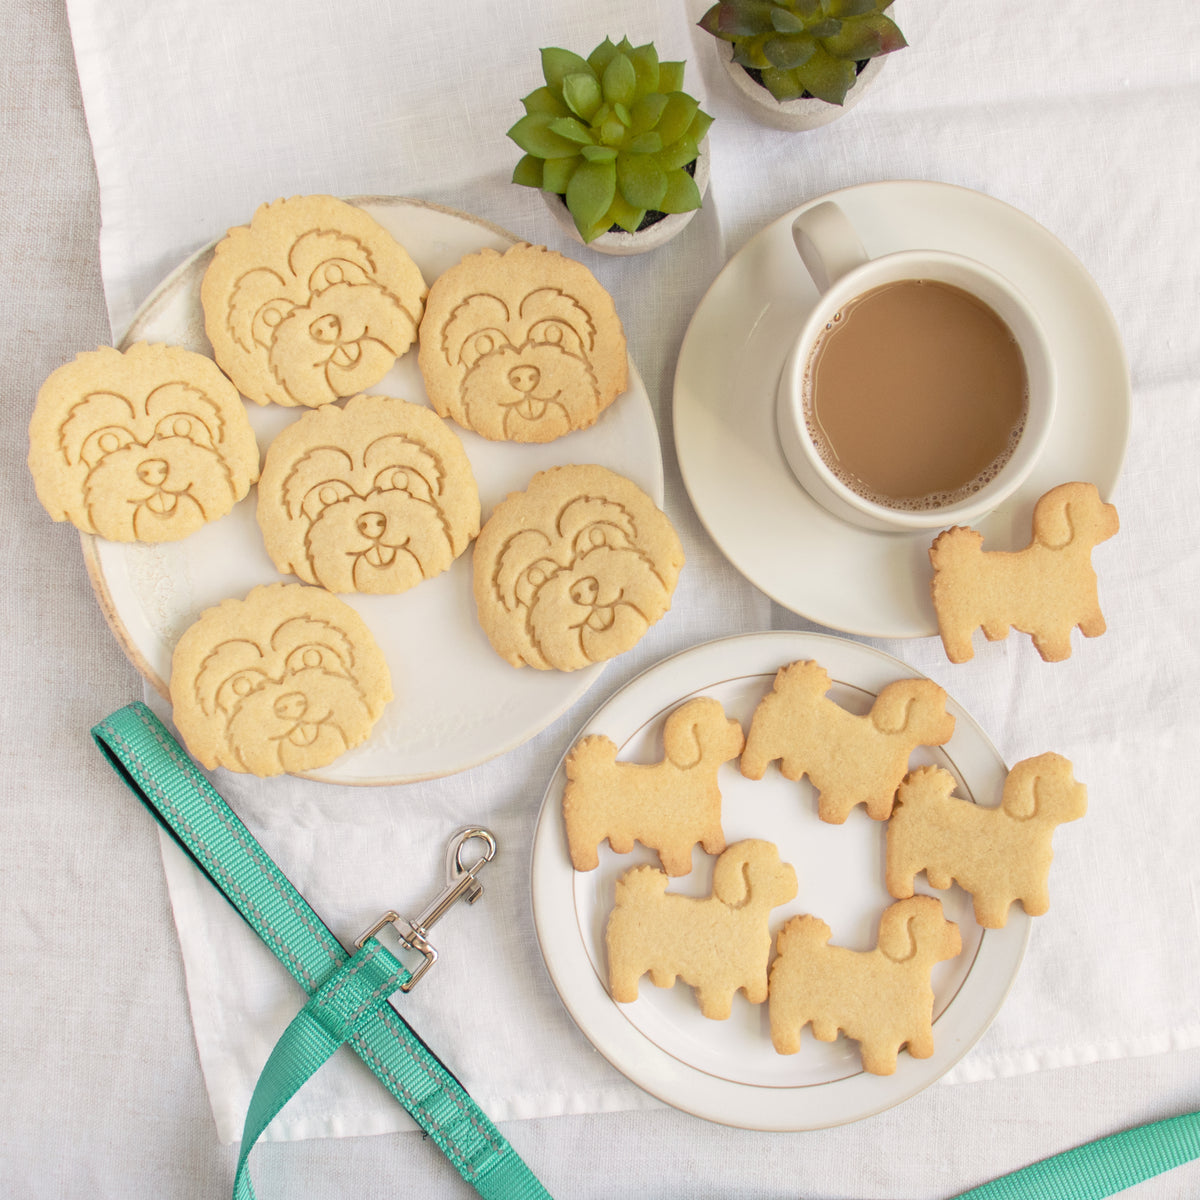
458,703
876,584
728,1071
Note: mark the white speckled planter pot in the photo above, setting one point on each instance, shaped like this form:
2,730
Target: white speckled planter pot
651,238
808,113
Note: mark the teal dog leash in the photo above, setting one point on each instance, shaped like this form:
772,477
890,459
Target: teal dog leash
348,993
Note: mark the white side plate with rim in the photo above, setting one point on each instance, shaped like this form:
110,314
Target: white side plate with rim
728,1071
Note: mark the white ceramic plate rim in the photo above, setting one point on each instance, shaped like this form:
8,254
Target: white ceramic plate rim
142,644
667,1076
846,578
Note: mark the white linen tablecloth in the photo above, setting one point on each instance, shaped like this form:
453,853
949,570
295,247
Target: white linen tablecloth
199,112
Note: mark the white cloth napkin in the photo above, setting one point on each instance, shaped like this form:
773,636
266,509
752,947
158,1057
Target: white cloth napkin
198,112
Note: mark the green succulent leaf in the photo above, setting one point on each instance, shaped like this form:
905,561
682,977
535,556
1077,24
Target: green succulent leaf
852,8
749,53
620,80
645,143
622,115
789,50
528,172
783,20
601,56
622,214
612,132
641,180
826,77
581,91
682,194
811,8
590,192
670,77
556,175
558,63
698,129
534,135
678,154
824,29
599,153
572,130
783,85
545,101
866,37
741,18
646,111
645,63
676,116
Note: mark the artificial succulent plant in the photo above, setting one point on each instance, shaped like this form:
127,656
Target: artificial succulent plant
613,134
804,47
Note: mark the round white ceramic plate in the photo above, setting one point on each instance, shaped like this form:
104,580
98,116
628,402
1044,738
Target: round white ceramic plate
876,584
728,1071
457,702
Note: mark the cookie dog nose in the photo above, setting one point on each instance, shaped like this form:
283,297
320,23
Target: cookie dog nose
524,379
371,525
585,591
291,707
153,472
326,329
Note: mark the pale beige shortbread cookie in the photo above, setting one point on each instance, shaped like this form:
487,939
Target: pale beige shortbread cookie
285,680
522,346
142,446
574,569
716,944
998,855
849,759
881,998
313,300
670,805
372,497
1044,590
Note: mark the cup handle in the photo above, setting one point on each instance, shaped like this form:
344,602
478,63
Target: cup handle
827,243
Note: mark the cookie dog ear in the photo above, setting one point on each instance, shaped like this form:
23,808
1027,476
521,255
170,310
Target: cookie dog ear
257,304
230,671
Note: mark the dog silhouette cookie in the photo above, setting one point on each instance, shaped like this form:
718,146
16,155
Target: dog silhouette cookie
574,570
881,998
669,806
373,497
313,300
285,680
522,346
716,944
849,759
998,855
142,446
1045,590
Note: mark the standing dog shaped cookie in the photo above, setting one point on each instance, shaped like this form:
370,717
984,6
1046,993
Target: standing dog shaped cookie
997,854
881,998
716,943
669,805
1045,590
849,759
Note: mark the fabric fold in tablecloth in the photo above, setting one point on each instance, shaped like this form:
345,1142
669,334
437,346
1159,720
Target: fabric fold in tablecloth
198,112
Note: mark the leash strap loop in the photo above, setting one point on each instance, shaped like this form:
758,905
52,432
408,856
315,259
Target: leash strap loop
348,995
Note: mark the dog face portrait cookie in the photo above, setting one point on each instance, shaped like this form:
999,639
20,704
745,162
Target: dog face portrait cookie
311,301
373,497
574,569
285,680
142,446
522,346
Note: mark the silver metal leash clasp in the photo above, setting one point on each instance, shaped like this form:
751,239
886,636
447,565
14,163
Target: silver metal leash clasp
461,884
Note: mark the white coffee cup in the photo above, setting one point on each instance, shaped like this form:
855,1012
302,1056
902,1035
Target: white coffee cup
839,266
